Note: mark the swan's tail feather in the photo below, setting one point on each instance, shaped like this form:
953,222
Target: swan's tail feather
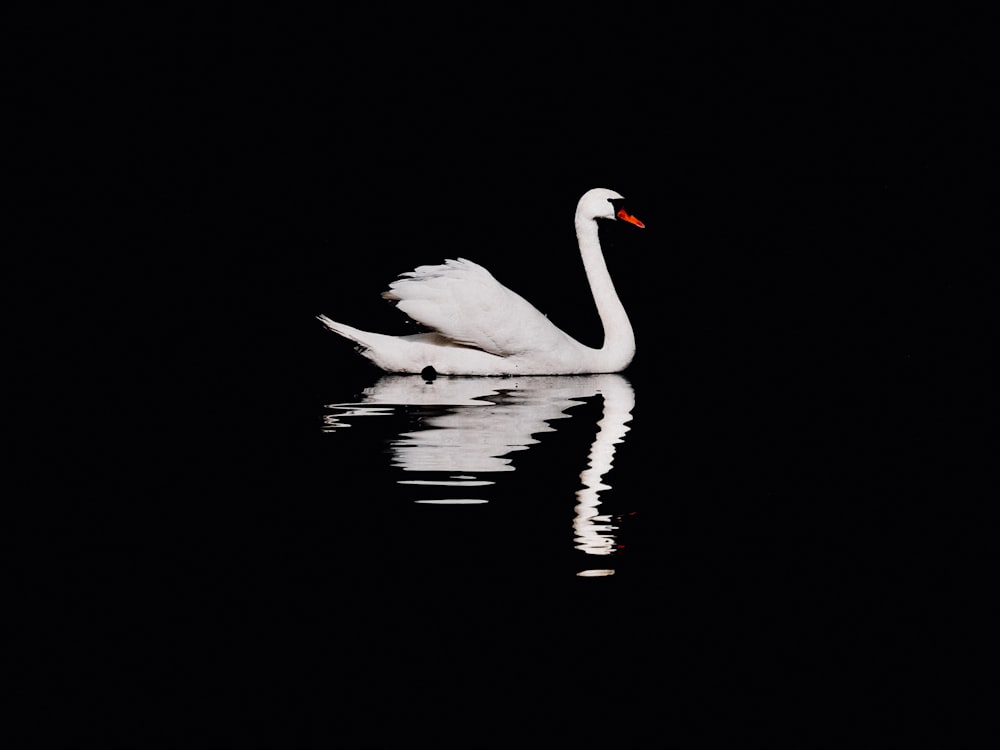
342,329
367,343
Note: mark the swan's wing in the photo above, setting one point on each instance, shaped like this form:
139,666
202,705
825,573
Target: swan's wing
464,302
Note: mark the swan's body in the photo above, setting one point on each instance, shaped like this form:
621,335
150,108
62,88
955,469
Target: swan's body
480,327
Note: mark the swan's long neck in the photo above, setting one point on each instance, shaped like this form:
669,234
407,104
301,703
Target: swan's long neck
619,338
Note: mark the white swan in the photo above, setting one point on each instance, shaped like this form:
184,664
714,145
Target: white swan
480,327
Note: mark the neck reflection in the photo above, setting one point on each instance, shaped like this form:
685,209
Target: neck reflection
594,530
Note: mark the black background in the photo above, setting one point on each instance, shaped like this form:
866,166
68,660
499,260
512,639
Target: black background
808,266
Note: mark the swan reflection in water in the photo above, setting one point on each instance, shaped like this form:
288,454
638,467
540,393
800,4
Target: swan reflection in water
474,424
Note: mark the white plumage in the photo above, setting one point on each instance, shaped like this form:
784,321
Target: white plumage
480,327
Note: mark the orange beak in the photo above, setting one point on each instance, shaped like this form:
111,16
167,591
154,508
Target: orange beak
629,218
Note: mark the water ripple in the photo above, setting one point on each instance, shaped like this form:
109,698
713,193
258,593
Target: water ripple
467,431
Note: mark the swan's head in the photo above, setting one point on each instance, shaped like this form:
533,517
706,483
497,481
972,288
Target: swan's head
601,203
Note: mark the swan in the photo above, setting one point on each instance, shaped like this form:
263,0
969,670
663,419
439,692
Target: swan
480,327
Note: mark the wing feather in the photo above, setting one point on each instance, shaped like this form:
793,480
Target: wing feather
464,302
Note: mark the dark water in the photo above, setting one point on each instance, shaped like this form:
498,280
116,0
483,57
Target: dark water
543,480
438,546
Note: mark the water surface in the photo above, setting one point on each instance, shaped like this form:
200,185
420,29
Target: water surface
466,441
